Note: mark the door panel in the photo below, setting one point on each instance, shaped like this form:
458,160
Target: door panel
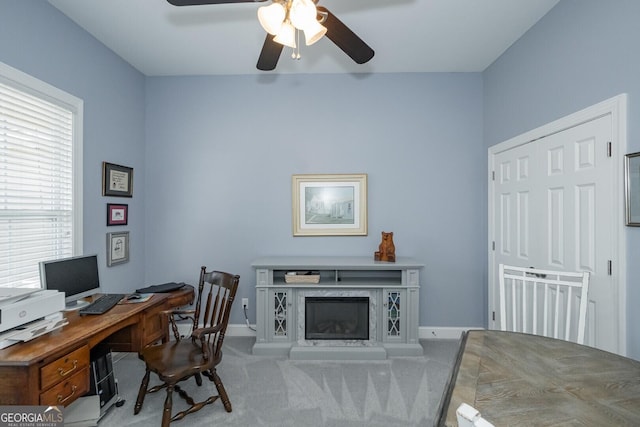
555,234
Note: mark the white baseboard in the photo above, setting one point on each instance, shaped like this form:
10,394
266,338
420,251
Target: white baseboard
235,330
424,332
443,332
240,330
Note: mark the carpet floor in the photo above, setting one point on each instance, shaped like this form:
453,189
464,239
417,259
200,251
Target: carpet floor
276,391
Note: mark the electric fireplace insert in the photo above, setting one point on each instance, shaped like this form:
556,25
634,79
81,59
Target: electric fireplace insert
336,318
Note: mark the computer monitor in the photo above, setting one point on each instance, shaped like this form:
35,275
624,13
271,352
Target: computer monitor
77,277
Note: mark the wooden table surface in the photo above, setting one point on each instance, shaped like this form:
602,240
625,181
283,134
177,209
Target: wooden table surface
518,379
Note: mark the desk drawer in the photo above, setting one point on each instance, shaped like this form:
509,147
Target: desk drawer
64,367
68,390
154,326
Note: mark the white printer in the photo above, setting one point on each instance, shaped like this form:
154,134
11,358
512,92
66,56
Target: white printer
28,313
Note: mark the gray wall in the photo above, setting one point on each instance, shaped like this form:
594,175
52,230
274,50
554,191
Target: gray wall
37,39
582,52
221,152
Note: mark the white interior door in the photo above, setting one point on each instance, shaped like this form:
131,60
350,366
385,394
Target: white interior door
552,207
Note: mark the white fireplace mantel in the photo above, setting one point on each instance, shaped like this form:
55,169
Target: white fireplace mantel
393,290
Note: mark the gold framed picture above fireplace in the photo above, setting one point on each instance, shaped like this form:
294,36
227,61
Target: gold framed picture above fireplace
329,204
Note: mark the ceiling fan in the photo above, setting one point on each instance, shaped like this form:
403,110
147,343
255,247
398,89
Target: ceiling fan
283,17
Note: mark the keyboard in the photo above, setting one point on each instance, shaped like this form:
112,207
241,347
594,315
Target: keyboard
103,304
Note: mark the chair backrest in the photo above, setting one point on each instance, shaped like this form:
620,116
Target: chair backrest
216,292
468,416
544,302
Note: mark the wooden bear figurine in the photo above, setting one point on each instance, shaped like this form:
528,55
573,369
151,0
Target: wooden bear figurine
386,250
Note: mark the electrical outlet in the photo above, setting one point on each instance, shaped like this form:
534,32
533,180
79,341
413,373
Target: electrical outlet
245,302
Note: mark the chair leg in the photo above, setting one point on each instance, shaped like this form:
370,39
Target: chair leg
168,403
142,392
198,378
221,391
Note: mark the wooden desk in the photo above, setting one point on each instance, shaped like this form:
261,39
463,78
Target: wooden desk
54,368
519,379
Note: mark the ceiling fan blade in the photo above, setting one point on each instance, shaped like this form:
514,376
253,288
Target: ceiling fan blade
345,39
199,2
269,54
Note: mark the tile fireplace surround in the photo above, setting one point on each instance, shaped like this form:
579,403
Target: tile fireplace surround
392,290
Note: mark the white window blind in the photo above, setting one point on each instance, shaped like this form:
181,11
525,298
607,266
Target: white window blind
36,183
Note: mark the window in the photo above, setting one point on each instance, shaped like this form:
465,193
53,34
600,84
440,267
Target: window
40,176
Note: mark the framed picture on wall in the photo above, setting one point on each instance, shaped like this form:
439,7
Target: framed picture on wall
329,205
117,248
117,214
117,180
632,189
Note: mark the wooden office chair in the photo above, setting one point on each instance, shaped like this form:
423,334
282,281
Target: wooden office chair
544,302
196,355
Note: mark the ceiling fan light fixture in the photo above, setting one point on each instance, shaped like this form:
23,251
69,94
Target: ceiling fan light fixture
314,32
302,13
272,17
287,35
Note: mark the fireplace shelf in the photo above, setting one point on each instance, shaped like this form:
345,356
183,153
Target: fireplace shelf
391,289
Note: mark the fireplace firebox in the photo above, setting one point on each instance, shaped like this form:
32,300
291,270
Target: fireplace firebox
336,318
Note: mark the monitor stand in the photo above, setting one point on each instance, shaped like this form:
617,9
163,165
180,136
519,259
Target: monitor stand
76,305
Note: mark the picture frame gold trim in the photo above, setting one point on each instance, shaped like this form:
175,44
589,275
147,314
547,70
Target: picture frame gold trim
329,204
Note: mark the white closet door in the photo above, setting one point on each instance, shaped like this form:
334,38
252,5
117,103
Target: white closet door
552,205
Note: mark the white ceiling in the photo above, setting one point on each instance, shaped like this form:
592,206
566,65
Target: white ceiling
159,39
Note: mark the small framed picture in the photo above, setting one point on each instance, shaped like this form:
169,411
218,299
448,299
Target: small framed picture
117,180
117,214
329,205
117,248
632,189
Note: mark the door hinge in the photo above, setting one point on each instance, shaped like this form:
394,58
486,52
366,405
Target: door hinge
609,267
493,175
494,316
493,245
609,149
